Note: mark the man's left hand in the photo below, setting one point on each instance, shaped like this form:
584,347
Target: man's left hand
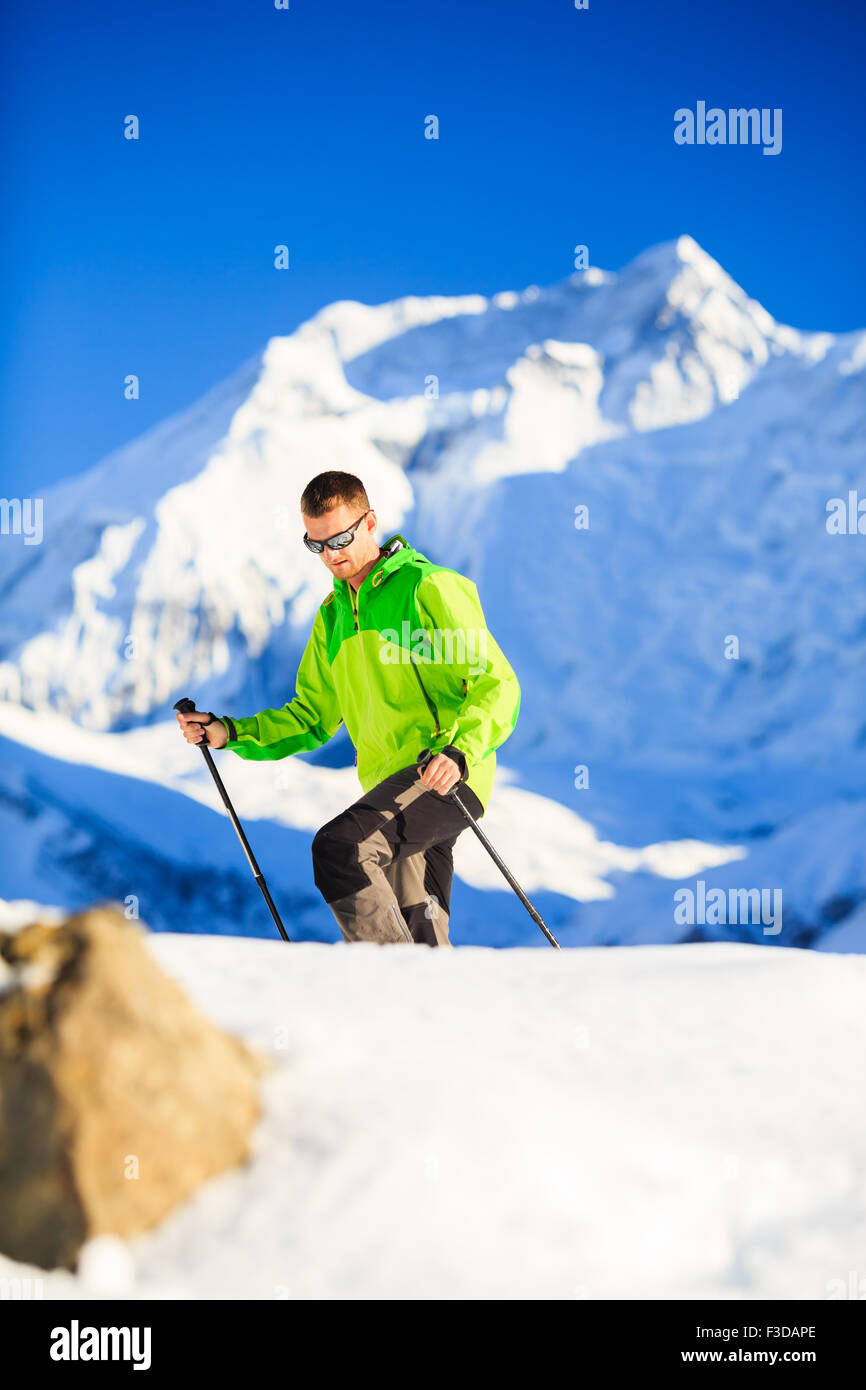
441,773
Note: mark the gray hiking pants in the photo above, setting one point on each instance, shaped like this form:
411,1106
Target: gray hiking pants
384,865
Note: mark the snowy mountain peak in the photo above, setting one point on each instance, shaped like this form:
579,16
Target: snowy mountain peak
682,260
668,257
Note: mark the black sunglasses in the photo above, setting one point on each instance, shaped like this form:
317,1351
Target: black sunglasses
338,542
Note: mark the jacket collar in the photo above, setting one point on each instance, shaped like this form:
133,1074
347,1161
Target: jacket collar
396,551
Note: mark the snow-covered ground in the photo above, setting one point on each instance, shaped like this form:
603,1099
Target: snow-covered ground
647,1122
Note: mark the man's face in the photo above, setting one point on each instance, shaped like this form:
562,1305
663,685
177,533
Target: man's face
346,562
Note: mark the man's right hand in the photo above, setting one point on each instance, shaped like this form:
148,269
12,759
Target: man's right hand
193,730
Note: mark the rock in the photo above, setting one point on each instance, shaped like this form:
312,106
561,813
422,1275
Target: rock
117,1097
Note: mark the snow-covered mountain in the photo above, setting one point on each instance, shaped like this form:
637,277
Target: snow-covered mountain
702,441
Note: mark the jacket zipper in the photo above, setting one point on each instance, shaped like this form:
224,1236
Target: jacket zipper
400,924
354,598
355,617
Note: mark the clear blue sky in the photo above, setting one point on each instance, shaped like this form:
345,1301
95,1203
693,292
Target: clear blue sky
305,126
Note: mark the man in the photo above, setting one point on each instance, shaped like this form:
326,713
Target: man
399,653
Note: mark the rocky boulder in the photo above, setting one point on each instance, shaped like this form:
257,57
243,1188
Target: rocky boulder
117,1097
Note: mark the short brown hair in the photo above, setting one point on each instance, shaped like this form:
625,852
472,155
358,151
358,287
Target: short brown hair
328,490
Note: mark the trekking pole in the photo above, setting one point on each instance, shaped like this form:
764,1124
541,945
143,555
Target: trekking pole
423,760
187,706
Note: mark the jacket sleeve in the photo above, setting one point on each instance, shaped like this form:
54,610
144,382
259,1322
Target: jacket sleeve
449,602
305,723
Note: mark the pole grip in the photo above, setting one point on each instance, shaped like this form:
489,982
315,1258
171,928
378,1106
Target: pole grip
427,756
187,706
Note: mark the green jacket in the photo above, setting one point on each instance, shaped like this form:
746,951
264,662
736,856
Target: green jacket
407,663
